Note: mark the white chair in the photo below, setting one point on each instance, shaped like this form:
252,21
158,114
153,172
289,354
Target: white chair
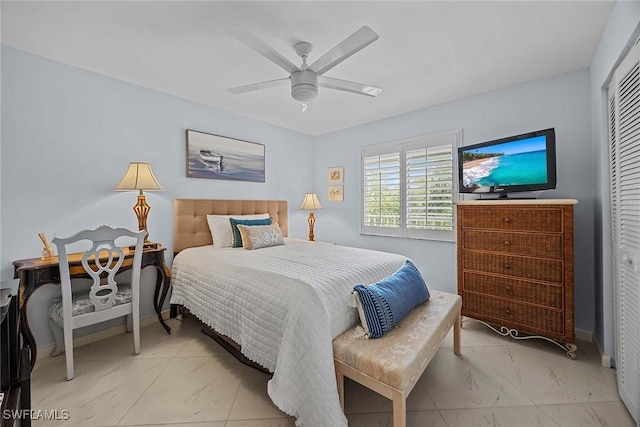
106,299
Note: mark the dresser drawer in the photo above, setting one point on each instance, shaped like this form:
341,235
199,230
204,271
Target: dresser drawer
524,219
546,270
538,293
510,312
539,245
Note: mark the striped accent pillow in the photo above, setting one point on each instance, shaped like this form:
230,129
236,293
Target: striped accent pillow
383,305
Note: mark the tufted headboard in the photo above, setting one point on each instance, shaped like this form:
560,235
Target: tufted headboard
190,226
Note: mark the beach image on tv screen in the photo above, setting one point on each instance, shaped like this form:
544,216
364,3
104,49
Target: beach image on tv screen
521,162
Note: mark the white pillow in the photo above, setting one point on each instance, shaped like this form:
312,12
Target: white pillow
220,228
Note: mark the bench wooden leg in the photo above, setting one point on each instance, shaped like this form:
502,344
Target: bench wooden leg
399,409
340,381
456,334
398,397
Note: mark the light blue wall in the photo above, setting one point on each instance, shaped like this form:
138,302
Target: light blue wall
621,31
55,178
561,102
68,137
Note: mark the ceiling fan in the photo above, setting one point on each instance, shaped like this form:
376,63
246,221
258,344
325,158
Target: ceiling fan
306,79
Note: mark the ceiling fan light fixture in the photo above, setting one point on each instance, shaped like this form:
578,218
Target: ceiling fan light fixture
304,86
304,93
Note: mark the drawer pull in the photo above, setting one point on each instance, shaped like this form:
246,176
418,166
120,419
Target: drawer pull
507,312
507,243
507,219
507,265
507,288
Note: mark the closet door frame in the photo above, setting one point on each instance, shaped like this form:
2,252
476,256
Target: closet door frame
623,109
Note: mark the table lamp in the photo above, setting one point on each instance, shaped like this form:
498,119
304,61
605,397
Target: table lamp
310,203
140,177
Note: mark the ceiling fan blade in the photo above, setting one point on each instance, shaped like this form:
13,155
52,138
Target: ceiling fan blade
262,48
352,44
348,86
257,86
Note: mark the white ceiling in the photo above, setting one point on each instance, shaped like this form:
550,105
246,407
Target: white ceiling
428,52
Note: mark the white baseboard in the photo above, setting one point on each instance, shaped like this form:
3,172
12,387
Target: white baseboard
606,359
584,335
101,335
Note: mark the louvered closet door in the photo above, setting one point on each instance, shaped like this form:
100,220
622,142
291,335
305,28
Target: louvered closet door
624,138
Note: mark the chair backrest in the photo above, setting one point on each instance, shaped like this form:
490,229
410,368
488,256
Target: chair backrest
100,262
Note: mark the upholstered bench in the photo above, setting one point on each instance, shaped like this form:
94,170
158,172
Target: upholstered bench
391,365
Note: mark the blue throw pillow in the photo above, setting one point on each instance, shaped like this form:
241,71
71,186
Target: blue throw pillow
382,305
237,238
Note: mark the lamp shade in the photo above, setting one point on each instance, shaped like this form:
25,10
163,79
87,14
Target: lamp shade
139,176
310,202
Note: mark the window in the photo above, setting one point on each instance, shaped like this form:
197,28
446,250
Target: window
409,186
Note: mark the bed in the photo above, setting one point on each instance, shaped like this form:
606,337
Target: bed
282,305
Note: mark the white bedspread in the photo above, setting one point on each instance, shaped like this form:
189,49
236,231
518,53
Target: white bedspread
283,305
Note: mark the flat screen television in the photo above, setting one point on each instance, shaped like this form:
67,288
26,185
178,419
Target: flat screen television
518,163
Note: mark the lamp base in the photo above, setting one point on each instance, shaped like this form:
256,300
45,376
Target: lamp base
311,221
142,209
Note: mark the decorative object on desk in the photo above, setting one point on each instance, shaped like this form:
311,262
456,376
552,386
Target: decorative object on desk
311,203
140,177
47,251
218,157
336,175
335,193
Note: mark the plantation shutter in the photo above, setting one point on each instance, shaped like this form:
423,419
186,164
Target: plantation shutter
440,175
430,188
624,143
417,189
422,196
381,188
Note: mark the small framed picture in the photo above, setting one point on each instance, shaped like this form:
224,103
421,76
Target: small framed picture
335,193
336,175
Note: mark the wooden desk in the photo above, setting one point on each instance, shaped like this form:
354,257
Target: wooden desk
35,272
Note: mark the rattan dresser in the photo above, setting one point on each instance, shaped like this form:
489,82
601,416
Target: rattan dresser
515,266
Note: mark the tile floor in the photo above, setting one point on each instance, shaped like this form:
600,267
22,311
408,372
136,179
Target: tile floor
186,380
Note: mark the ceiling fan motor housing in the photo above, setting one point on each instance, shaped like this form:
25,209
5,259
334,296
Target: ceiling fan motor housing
304,85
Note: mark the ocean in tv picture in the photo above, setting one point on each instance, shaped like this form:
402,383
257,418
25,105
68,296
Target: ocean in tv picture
514,169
